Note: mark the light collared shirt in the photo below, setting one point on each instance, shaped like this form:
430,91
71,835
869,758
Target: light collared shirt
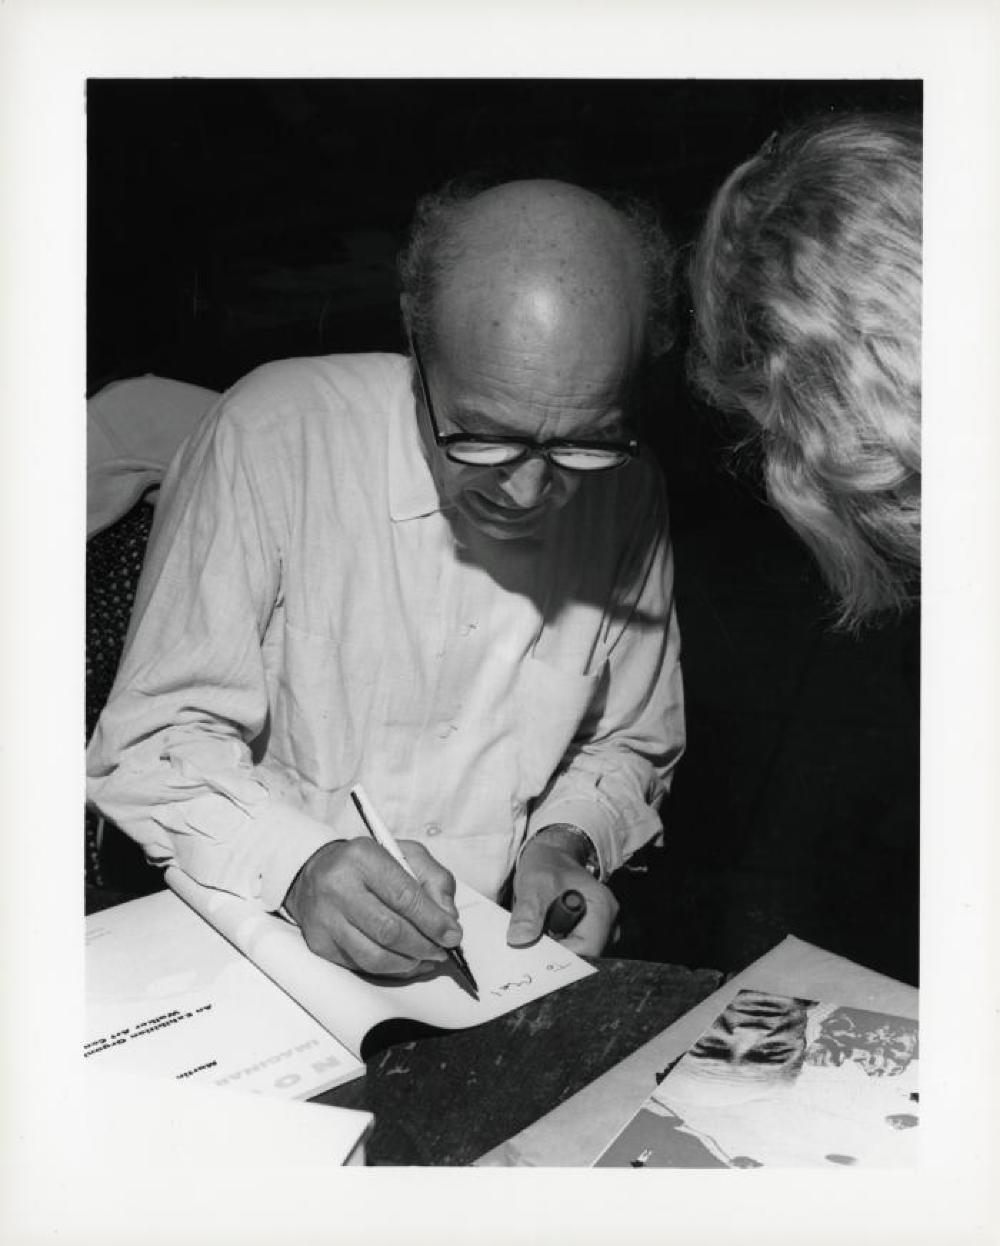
310,617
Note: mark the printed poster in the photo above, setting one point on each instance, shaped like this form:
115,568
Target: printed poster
783,1082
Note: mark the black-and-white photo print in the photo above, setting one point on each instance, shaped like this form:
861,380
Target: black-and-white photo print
503,702
525,482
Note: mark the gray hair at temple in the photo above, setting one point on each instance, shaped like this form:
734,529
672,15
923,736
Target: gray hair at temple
432,247
806,285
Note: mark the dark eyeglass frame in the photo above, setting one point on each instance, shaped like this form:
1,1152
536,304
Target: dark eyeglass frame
528,448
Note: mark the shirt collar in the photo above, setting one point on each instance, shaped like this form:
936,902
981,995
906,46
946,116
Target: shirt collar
412,491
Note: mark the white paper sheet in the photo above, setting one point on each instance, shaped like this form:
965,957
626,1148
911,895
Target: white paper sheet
350,1005
167,996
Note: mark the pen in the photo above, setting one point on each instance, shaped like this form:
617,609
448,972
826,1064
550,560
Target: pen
381,834
565,912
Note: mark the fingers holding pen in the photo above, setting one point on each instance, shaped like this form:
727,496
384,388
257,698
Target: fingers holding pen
346,944
357,907
435,880
424,903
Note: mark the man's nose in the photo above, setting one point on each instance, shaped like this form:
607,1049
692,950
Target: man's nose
527,482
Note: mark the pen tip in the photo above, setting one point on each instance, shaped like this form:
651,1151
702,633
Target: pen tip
465,973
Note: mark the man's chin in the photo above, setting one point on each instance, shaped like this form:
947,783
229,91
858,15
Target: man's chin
497,532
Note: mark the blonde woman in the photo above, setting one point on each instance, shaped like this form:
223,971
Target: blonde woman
806,285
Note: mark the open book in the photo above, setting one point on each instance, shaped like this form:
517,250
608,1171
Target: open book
166,994
782,1081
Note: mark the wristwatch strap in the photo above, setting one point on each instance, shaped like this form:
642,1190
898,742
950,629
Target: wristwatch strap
591,861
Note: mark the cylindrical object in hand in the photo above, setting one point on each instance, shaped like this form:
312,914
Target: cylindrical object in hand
564,913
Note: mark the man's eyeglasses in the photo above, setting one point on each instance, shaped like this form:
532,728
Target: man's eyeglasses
476,450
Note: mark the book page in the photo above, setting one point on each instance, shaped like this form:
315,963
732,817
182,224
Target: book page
349,1004
167,996
133,1120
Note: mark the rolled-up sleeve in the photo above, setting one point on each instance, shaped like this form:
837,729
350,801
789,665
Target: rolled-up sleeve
171,758
619,767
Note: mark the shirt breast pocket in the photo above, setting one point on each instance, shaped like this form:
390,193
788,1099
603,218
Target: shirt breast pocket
552,706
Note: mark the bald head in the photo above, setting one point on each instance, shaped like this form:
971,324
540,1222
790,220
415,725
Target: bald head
530,303
542,261
562,254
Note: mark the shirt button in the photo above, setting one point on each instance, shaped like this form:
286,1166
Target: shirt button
432,828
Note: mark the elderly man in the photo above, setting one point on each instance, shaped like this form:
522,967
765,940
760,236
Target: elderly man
447,577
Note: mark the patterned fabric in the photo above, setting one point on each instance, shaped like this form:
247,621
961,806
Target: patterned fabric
114,561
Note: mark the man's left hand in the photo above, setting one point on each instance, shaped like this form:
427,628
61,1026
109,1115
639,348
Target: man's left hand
547,868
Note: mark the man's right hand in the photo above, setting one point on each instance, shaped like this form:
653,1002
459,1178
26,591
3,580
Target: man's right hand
357,907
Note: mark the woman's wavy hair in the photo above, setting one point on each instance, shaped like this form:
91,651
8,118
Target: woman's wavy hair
433,246
806,286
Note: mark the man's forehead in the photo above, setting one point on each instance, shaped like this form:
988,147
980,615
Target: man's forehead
543,312
546,337
555,279
537,401
541,236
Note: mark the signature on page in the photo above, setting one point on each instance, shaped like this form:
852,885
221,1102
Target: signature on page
526,979
523,980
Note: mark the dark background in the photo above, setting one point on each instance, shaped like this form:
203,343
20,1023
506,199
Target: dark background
232,222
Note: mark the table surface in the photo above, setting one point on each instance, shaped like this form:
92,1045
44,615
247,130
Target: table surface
447,1098
580,1128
